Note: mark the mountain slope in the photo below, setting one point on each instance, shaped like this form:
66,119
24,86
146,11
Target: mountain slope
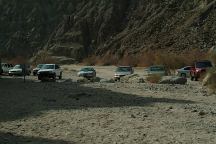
76,29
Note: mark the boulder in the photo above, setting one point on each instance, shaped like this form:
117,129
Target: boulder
173,80
134,78
107,81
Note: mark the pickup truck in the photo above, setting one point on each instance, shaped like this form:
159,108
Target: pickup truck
49,71
199,69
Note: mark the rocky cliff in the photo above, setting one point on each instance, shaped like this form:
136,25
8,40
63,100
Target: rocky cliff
78,28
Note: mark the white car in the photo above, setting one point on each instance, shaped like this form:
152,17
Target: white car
123,71
184,72
20,69
87,72
50,71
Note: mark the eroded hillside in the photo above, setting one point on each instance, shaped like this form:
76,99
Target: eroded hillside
76,29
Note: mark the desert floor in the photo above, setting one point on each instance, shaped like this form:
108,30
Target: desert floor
67,112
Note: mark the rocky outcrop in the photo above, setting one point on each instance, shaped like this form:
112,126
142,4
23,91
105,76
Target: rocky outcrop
77,29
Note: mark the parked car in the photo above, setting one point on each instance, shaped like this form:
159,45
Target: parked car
184,72
157,70
20,69
6,67
199,69
123,71
49,71
35,70
87,72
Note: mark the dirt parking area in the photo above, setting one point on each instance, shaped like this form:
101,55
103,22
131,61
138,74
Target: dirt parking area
66,112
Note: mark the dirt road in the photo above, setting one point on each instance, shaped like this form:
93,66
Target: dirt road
66,112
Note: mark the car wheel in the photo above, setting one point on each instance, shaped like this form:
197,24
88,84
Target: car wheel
183,75
192,78
196,78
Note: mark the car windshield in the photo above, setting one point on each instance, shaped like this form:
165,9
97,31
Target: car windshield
123,69
157,68
17,67
203,64
86,69
40,66
47,67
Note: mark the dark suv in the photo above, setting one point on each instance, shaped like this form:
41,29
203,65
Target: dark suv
199,69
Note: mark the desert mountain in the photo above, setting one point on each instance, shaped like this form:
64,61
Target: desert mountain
79,28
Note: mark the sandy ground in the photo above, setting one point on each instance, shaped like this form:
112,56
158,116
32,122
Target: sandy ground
66,112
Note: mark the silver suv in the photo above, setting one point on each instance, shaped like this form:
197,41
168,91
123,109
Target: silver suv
123,71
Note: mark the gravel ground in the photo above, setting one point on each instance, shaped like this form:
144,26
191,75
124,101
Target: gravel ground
66,112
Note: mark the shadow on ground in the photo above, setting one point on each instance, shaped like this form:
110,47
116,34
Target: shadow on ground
9,138
18,99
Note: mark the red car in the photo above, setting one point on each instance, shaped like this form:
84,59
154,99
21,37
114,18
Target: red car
199,69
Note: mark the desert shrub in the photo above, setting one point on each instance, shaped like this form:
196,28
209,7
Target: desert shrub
128,60
100,60
107,60
44,58
18,60
154,78
148,58
66,69
91,60
170,60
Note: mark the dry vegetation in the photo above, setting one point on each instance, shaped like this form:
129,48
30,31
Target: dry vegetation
17,60
210,79
145,59
43,57
154,78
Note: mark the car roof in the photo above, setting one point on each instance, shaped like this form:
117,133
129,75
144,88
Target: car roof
49,64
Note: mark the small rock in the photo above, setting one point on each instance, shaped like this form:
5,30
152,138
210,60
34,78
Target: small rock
202,113
133,116
145,116
194,110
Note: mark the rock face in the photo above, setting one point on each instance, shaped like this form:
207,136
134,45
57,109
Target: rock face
76,29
